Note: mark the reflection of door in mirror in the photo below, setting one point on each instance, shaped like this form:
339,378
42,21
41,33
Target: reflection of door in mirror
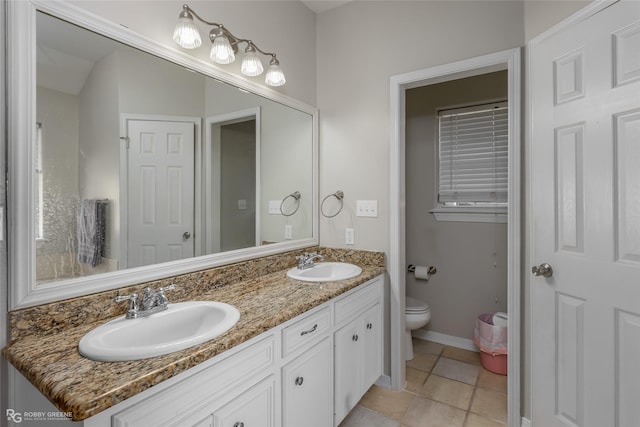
160,191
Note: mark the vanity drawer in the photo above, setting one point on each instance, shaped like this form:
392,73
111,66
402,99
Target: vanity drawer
353,304
306,331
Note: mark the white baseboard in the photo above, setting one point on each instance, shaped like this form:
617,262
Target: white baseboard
526,422
445,339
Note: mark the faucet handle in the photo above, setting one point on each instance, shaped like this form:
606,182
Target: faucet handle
162,299
133,301
120,298
167,288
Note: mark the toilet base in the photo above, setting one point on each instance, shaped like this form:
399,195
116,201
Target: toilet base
408,346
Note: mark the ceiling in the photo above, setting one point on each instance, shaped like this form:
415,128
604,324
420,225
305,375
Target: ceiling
319,6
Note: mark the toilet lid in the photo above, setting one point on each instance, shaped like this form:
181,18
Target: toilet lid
414,305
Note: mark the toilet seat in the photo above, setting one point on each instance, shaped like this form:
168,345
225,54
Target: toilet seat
415,306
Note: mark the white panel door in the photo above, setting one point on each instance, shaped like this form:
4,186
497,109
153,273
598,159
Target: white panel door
585,175
160,191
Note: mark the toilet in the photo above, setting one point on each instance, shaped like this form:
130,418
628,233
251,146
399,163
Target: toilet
417,315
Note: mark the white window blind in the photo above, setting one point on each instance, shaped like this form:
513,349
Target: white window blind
473,155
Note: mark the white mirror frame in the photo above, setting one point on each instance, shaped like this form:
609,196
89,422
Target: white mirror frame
21,97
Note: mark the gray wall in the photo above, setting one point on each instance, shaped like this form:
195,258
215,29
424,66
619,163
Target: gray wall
467,282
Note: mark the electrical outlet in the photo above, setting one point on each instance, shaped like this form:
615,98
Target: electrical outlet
274,207
349,236
288,232
367,208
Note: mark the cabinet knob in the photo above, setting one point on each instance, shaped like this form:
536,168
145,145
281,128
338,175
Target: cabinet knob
355,337
239,424
299,381
369,325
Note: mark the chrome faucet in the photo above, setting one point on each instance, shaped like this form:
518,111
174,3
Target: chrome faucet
152,302
306,260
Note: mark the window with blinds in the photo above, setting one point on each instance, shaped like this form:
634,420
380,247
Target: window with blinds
473,156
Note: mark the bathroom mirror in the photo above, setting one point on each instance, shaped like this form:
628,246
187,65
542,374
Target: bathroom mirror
145,163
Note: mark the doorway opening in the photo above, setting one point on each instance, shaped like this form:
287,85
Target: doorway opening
508,61
232,181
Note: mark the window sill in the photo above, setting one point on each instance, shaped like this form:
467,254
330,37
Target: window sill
41,242
471,214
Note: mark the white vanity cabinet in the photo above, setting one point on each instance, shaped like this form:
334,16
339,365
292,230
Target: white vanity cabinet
306,388
308,372
358,347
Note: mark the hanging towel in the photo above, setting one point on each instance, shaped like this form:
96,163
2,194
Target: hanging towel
91,231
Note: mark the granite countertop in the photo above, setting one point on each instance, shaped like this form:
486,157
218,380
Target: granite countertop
85,387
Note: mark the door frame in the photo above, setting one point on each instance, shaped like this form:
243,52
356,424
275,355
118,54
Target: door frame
212,185
124,178
509,60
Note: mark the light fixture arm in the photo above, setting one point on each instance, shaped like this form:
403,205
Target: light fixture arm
233,39
225,45
187,11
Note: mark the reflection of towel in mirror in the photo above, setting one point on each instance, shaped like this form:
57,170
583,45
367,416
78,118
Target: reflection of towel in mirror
91,231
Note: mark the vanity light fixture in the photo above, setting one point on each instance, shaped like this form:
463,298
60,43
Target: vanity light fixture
225,46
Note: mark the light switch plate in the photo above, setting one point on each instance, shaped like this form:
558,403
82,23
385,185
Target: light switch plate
368,208
242,204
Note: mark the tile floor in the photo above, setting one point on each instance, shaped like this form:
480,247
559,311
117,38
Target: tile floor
446,387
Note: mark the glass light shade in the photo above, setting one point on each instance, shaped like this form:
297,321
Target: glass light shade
251,65
221,51
186,34
275,76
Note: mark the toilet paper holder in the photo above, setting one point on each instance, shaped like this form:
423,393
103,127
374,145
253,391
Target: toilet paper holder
412,268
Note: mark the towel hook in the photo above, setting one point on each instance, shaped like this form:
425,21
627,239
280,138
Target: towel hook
296,196
338,195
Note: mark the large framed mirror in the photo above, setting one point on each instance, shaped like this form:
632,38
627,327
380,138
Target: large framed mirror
131,161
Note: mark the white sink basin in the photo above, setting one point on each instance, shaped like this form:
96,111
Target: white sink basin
181,325
325,272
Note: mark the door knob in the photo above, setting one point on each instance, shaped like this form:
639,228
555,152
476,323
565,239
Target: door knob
186,235
543,269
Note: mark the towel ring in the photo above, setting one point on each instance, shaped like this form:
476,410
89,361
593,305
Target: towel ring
296,196
338,195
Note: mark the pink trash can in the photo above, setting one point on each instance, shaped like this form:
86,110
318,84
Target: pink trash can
492,342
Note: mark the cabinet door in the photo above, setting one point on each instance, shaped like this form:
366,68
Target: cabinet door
372,343
347,368
253,408
306,388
